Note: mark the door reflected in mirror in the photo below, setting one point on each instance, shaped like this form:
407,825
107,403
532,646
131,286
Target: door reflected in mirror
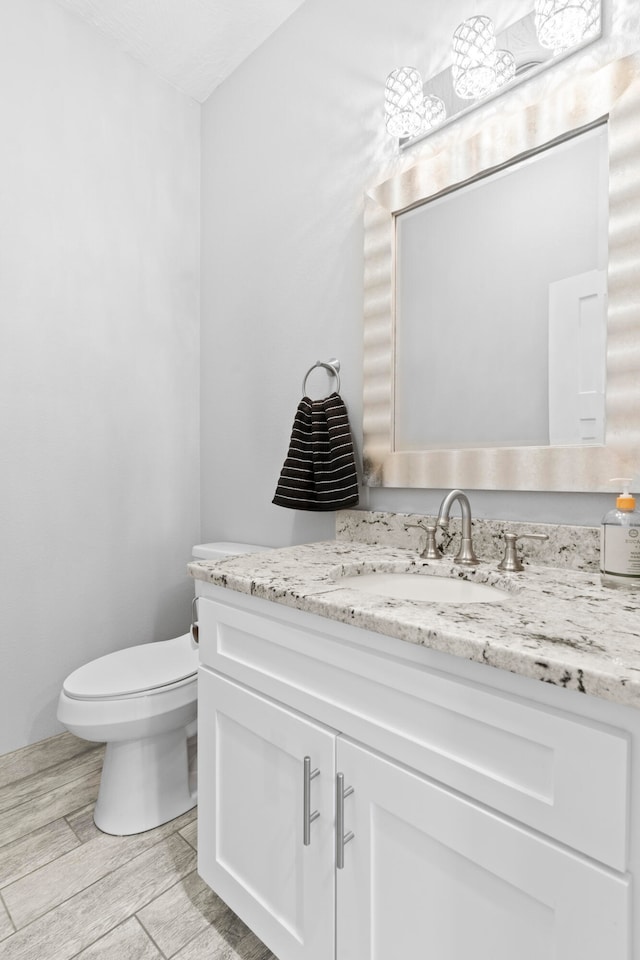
501,315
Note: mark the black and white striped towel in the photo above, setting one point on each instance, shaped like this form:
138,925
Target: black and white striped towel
320,471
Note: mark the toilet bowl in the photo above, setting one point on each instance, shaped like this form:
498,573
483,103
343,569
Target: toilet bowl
141,702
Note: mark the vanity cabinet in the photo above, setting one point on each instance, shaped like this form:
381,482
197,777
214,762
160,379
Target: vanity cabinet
250,783
483,824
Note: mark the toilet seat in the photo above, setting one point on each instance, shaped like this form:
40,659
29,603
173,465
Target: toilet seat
140,671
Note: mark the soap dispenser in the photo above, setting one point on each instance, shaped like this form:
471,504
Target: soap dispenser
620,542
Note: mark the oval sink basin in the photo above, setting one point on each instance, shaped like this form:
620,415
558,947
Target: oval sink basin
412,586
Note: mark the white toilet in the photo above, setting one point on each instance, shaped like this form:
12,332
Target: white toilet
141,702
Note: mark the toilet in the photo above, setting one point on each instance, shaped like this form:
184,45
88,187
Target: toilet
141,702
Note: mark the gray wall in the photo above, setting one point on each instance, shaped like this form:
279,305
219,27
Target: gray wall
99,338
290,143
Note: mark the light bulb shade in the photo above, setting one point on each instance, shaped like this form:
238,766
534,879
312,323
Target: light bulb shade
594,22
505,67
561,24
434,111
474,58
404,102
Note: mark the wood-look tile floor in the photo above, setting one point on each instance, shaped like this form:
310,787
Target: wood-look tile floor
68,890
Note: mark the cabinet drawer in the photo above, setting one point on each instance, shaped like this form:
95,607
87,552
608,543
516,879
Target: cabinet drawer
560,774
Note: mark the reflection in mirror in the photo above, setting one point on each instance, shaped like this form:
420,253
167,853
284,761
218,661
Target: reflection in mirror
501,305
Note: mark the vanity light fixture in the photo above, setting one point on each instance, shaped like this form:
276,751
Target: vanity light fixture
474,58
483,64
561,24
434,111
404,102
505,67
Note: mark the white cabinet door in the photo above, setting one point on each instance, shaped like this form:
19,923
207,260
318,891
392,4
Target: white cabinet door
430,874
250,836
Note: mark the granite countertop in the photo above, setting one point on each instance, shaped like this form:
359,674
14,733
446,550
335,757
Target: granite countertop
556,625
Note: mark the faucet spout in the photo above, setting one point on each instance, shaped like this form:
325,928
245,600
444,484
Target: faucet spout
466,554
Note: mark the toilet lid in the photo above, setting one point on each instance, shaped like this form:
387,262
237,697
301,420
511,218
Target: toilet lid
145,668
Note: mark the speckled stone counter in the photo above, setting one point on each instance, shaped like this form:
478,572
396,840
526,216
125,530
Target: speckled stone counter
575,548
555,624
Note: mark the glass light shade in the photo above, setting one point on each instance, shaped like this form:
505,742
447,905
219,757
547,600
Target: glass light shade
505,67
434,111
474,58
404,102
561,24
593,27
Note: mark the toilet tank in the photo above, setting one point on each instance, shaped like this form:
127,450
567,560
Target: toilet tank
224,549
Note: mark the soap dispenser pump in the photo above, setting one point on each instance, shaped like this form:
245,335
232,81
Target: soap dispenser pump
620,541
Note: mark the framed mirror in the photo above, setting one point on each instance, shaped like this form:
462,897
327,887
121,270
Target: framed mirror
502,301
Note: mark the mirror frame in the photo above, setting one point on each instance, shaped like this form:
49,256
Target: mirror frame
611,93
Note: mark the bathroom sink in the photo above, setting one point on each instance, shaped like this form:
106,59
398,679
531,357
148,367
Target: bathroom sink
412,586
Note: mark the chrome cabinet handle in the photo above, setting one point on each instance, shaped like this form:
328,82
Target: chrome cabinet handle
342,838
308,817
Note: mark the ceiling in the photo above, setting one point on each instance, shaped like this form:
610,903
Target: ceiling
193,44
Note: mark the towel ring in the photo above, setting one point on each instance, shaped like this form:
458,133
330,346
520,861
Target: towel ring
333,366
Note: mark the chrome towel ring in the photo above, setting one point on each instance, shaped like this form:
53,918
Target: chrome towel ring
333,366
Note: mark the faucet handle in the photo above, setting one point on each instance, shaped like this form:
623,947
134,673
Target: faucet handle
431,550
511,562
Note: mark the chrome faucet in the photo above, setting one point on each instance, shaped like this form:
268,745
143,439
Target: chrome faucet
465,555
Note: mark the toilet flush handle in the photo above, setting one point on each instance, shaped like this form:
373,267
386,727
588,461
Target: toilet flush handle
195,626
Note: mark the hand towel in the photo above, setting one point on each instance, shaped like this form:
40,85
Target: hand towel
319,472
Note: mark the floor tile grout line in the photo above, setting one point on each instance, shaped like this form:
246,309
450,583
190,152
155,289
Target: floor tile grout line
9,917
37,776
23,836
3,886
88,946
94,882
194,845
65,783
161,952
26,836
28,802
43,770
197,934
66,816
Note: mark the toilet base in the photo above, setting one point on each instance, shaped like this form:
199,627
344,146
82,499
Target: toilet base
144,783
